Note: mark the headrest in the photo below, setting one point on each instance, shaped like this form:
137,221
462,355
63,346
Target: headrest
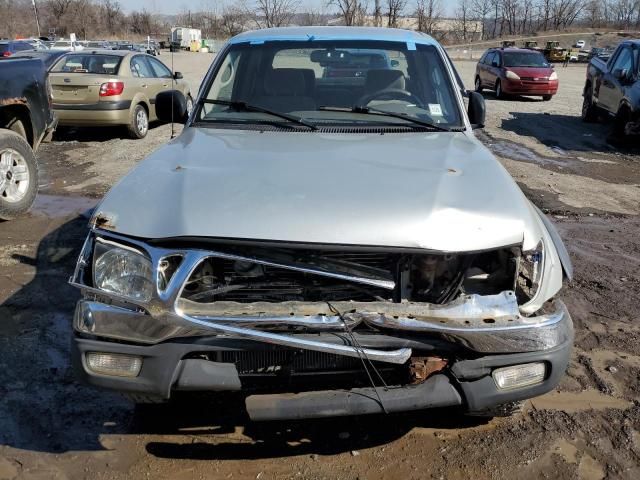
384,79
285,81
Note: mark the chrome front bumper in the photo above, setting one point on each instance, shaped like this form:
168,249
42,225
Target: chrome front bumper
484,324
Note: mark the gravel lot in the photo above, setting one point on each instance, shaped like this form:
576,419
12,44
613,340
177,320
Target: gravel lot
51,427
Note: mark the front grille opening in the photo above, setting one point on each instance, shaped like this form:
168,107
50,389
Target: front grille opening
285,369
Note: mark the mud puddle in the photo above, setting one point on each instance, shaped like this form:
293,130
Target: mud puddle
607,167
56,206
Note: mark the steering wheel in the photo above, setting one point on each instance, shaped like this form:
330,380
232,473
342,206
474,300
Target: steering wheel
391,94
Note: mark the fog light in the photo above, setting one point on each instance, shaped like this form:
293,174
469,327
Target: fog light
518,376
115,364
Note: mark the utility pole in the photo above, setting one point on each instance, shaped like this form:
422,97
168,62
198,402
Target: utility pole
35,11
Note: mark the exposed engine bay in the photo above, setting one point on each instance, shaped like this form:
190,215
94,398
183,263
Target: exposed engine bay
255,275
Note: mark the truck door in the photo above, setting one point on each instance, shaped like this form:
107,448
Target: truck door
614,80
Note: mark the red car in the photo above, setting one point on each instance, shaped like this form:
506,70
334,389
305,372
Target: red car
516,71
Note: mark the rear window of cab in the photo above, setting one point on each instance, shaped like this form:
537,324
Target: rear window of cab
89,63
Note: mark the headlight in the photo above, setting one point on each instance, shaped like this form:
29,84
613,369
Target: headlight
530,269
553,76
512,75
122,270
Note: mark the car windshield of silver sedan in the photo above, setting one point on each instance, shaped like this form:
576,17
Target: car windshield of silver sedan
337,83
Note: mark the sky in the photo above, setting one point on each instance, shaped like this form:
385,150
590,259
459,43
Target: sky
171,7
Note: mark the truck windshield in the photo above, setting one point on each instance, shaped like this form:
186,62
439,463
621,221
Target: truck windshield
524,59
332,82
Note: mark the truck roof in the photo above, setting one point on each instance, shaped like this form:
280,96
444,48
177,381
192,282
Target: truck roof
334,33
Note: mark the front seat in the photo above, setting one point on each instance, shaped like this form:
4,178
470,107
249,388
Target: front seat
285,90
383,79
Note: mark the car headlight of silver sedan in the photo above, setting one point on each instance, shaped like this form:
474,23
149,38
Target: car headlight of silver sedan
122,270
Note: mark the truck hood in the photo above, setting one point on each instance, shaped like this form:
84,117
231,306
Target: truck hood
437,191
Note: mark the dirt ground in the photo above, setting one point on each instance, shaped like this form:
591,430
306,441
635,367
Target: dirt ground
53,428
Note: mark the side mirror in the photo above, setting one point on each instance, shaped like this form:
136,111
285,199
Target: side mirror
477,110
177,76
620,73
171,105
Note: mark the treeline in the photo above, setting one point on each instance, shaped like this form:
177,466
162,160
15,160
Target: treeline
95,19
471,19
519,17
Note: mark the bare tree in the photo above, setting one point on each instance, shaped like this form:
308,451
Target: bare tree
394,10
462,18
112,15
312,17
233,21
353,12
428,13
480,10
275,13
377,14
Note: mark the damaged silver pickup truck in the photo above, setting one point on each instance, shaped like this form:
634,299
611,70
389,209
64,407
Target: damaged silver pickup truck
326,236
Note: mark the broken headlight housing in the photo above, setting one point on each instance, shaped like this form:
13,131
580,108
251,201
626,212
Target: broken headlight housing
122,270
530,270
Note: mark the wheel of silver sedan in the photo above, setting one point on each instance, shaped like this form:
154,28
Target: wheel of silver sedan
14,176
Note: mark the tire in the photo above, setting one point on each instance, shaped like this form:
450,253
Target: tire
589,110
139,122
546,98
623,117
499,93
189,105
478,85
18,175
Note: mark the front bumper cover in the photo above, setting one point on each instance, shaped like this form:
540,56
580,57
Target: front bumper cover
467,383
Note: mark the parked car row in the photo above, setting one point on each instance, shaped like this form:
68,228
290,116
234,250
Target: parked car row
11,47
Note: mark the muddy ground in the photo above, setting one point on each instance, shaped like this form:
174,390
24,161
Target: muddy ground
53,428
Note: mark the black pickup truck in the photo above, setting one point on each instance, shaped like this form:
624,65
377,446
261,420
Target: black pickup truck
613,89
26,120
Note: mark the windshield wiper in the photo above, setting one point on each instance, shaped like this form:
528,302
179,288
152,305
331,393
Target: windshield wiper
246,107
385,113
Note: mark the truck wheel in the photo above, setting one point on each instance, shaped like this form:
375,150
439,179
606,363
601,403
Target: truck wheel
18,175
478,85
620,123
589,111
139,123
